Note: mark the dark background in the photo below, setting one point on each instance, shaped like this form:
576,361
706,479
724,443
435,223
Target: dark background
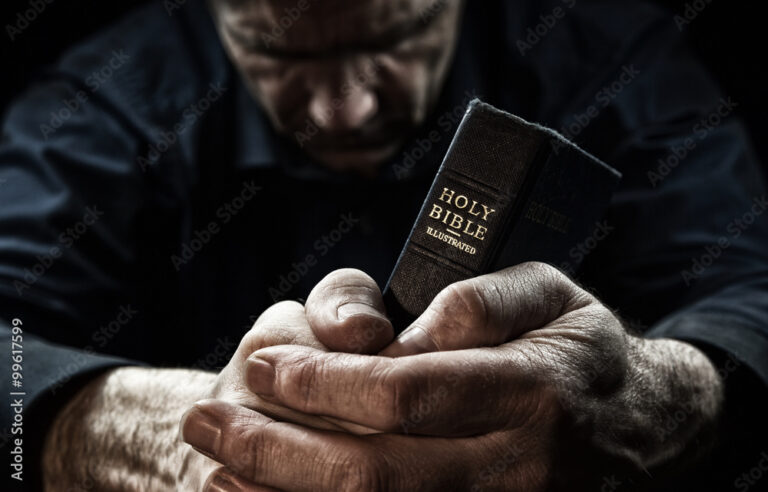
727,36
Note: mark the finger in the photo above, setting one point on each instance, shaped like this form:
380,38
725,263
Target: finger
277,454
284,323
490,310
346,313
224,480
447,394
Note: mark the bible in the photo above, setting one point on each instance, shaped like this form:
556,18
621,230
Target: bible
508,191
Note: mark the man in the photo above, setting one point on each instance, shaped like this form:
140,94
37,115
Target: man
214,159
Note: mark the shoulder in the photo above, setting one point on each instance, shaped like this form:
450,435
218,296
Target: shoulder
579,47
148,66
608,68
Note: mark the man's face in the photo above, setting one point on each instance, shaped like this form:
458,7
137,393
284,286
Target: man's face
348,80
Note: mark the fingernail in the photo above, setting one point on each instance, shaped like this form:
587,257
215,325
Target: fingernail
415,341
260,377
346,311
201,431
221,484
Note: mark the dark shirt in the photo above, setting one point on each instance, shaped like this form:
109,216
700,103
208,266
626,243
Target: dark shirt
149,213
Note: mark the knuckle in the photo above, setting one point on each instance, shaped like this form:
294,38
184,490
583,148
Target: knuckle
353,290
547,274
254,340
363,472
559,293
268,330
305,372
400,392
209,479
273,315
341,287
253,454
466,302
536,271
344,273
275,312
537,476
343,280
539,268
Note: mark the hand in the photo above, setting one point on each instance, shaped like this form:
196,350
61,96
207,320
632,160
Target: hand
533,380
345,309
120,431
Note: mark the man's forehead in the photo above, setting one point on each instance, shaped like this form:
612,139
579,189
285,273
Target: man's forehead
326,24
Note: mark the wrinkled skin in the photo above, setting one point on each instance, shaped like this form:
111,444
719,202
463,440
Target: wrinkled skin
517,380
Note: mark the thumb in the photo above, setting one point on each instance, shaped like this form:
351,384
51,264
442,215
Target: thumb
490,310
346,313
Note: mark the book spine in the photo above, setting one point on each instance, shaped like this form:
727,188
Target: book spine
507,192
463,219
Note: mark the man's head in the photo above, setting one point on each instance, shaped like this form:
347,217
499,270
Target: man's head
349,80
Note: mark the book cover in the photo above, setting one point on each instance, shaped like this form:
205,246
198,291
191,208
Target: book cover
508,191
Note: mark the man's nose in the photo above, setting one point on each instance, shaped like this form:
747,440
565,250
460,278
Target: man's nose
345,110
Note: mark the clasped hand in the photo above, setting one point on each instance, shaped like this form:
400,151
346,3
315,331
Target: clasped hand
516,380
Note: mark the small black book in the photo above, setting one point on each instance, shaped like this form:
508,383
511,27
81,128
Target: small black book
508,191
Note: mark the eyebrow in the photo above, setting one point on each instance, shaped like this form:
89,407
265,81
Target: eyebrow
426,18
